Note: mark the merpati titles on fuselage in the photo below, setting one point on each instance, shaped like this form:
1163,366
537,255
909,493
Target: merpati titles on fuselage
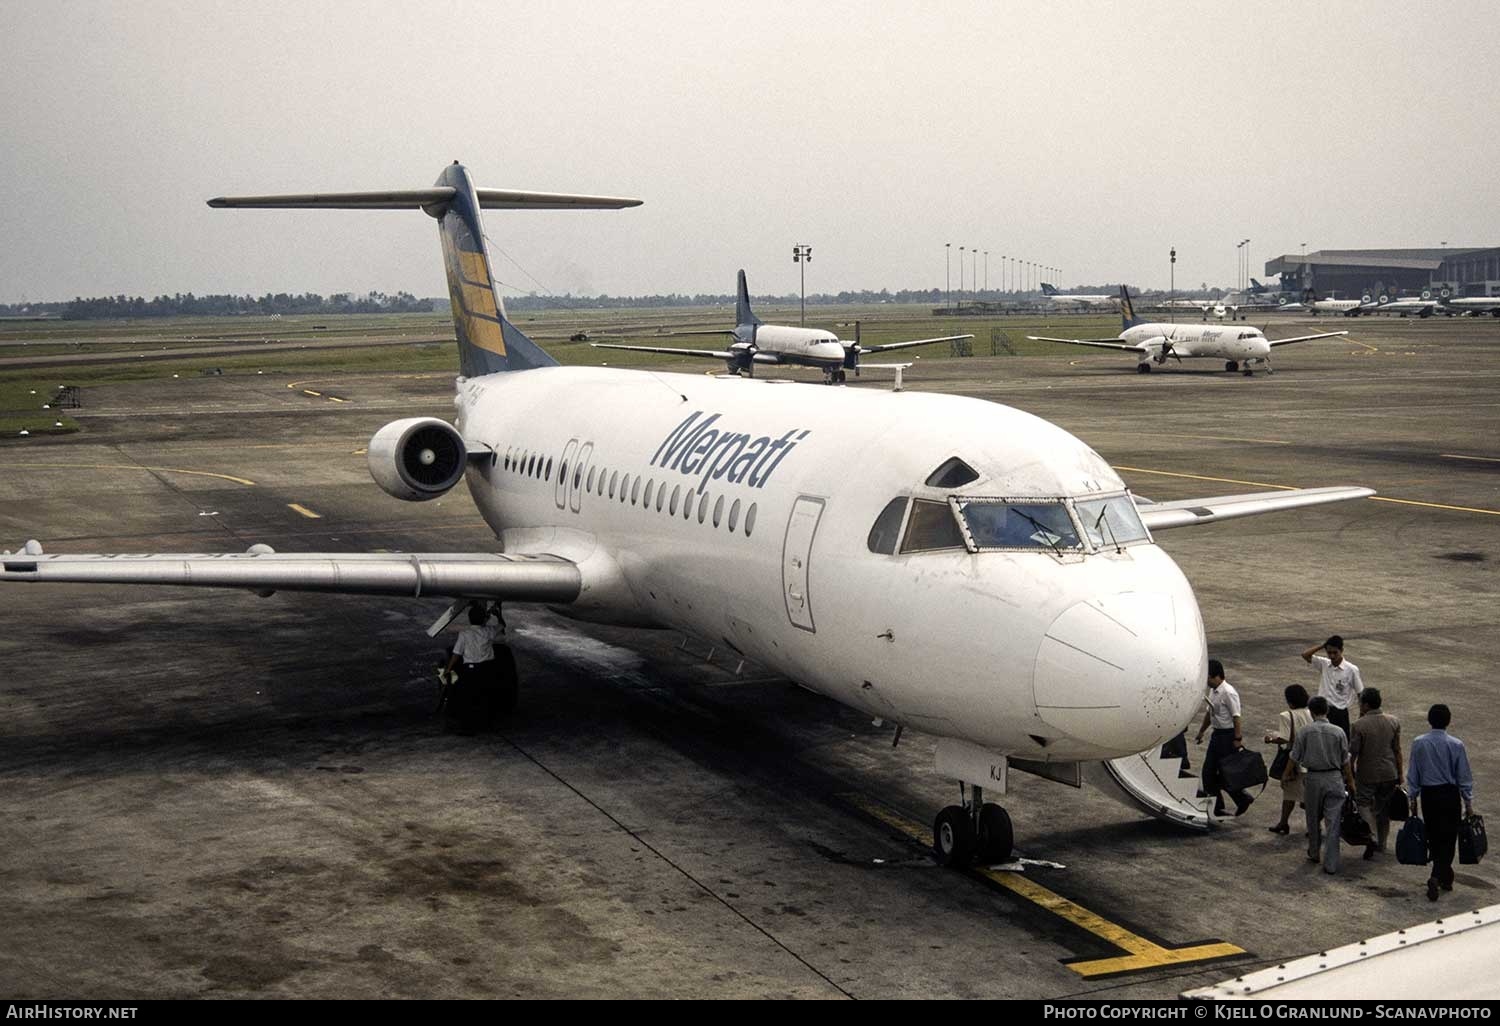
697,448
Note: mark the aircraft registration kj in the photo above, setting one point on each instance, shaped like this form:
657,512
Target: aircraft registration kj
1238,347
984,576
781,345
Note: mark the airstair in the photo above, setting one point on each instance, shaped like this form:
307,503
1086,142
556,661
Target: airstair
1156,783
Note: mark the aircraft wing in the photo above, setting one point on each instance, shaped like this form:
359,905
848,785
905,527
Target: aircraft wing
1303,338
1098,343
710,354
907,345
1159,516
414,574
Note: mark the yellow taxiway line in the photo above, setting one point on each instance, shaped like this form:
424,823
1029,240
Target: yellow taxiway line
1140,953
127,466
309,514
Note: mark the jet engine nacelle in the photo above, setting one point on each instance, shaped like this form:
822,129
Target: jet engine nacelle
417,459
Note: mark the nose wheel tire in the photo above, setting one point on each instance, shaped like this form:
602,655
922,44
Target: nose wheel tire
1231,366
996,837
953,839
1143,368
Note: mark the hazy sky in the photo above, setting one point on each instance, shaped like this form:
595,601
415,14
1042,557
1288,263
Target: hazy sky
1088,136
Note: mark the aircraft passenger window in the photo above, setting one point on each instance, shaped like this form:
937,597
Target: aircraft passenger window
953,473
562,471
676,491
687,504
750,520
506,463
887,529
548,474
614,479
577,477
591,480
531,466
661,497
703,508
649,485
930,527
718,510
1020,525
734,514
1112,522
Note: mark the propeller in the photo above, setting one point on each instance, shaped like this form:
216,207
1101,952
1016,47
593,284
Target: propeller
1167,348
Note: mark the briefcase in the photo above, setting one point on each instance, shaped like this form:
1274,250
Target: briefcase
1399,806
1411,843
1242,770
1353,828
1471,842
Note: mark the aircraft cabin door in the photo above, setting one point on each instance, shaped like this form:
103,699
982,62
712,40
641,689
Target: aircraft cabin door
795,553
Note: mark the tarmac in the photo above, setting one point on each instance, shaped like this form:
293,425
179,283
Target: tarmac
212,794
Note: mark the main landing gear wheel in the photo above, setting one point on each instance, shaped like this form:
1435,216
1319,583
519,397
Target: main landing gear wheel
996,836
1231,366
1143,368
953,839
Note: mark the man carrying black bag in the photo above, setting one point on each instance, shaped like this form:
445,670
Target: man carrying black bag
1438,776
1323,750
1223,714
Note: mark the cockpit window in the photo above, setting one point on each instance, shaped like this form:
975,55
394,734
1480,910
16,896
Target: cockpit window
1111,522
954,473
887,529
931,526
1019,524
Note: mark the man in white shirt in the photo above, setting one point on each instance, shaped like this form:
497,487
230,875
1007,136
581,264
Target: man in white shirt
1339,681
1223,714
468,700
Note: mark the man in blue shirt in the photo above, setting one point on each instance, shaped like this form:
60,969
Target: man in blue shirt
1437,776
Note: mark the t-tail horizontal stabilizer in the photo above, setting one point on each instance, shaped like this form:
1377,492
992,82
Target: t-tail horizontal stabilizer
488,343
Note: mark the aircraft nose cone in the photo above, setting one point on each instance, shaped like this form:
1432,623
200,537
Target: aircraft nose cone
1123,672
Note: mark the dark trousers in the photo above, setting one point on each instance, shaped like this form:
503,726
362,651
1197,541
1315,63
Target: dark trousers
1339,718
1220,744
1441,808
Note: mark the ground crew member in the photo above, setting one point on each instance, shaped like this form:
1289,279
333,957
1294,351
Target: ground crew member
474,659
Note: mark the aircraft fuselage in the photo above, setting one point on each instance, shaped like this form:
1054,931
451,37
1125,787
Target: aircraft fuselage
741,512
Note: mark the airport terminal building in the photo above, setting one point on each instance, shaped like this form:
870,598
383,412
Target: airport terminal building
1352,273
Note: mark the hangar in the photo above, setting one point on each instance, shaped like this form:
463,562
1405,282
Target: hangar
1351,273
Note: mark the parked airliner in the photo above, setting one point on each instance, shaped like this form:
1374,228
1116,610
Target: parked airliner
1075,299
780,345
935,561
1156,342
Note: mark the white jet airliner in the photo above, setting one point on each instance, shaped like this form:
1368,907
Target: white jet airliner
780,345
1155,342
941,562
1074,299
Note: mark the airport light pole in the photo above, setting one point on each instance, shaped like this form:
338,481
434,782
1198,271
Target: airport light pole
961,274
986,270
1172,288
802,256
1245,284
948,274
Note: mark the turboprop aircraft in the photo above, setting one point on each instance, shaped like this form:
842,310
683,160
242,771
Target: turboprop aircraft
1155,342
780,345
985,577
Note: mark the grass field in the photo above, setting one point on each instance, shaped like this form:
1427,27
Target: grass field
23,390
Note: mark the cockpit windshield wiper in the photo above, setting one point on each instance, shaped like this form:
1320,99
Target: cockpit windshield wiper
1101,522
1042,530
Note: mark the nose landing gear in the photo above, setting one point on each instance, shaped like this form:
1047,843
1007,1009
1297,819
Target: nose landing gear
973,829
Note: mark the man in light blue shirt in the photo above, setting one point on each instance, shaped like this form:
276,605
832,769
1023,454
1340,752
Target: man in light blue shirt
1437,776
